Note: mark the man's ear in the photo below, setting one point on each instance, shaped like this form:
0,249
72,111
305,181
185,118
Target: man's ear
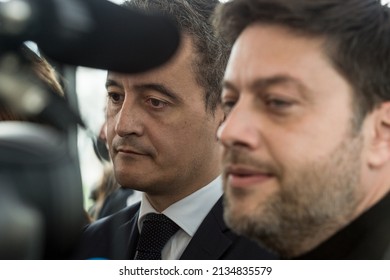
379,151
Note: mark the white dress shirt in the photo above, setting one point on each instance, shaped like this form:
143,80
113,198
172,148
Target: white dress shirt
187,213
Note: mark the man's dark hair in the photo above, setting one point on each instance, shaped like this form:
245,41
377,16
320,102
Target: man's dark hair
193,17
356,35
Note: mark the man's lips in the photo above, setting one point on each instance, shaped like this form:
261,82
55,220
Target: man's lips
130,152
242,177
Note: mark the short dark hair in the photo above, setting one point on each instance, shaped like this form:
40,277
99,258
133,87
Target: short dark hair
193,17
356,34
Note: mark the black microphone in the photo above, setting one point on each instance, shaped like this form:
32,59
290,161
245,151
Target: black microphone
91,33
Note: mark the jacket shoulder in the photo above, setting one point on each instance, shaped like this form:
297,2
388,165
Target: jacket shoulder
101,237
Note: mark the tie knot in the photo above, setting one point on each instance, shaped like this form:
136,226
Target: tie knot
158,218
156,230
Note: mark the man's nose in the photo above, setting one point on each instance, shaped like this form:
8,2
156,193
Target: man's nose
129,119
240,127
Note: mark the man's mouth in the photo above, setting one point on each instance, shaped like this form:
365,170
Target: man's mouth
127,151
243,176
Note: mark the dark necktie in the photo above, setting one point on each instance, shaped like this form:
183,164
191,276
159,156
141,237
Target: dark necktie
156,230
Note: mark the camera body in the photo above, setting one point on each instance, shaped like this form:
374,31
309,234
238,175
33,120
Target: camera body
41,188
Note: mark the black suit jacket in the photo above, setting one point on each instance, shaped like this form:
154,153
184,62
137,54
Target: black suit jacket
116,236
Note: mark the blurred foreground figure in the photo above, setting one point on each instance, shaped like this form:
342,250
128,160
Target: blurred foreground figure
41,207
306,143
40,69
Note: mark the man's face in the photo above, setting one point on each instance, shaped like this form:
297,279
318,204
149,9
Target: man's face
161,138
291,159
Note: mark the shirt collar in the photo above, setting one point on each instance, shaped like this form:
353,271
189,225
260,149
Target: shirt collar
189,212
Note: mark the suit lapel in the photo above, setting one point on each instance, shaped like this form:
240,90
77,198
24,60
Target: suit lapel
132,237
127,235
210,240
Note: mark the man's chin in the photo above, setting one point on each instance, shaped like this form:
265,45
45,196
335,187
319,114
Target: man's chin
245,217
236,216
131,181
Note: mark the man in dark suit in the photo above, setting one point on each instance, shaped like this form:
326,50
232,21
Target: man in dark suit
161,133
116,237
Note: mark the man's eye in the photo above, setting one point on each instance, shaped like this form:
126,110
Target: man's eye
115,97
228,105
275,103
156,103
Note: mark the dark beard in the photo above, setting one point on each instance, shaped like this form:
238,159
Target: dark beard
312,203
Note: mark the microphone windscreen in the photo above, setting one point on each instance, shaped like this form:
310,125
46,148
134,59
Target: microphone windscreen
101,34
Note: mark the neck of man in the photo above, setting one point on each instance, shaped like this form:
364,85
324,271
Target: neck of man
161,201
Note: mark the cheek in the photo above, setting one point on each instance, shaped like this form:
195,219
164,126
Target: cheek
180,142
182,137
309,141
110,131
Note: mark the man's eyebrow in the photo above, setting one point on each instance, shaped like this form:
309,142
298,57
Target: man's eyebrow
263,83
112,83
161,89
228,85
148,86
